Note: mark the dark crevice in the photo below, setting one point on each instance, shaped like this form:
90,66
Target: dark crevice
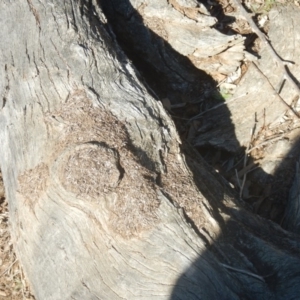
165,71
186,217
171,75
74,16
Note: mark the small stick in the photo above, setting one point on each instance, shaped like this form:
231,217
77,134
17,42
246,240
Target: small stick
245,164
266,142
243,272
235,164
23,284
217,106
179,105
247,169
8,267
237,178
277,93
243,184
278,60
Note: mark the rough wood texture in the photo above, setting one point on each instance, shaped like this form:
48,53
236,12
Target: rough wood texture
103,205
256,95
188,28
180,41
274,118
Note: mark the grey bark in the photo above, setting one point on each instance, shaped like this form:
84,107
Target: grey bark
103,203
257,101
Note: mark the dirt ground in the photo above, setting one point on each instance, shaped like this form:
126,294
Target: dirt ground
13,285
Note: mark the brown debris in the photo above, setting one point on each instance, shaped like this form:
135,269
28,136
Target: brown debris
91,171
33,183
179,186
102,165
13,284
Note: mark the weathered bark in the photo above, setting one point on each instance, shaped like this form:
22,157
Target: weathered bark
103,204
257,102
180,41
265,110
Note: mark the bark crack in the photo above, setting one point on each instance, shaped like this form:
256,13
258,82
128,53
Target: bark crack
66,15
7,87
35,14
55,20
170,68
74,16
86,286
62,58
108,286
27,53
95,60
50,78
40,81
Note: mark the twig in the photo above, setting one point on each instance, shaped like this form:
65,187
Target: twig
277,92
235,164
247,169
265,143
245,164
243,184
280,63
173,116
243,272
237,178
217,106
23,284
8,267
179,105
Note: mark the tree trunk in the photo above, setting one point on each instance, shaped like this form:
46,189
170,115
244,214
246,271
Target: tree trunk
105,203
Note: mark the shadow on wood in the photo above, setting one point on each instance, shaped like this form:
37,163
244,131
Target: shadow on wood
248,258
103,203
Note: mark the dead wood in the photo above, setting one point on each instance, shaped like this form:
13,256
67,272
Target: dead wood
256,104
105,203
281,63
258,88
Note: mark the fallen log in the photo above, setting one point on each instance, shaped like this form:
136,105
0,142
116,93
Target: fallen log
105,203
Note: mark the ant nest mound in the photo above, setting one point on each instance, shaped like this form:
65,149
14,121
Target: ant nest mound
92,170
